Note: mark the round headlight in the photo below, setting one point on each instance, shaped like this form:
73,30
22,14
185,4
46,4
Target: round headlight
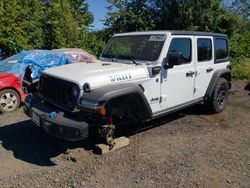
72,93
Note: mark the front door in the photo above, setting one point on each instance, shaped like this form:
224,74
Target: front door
177,83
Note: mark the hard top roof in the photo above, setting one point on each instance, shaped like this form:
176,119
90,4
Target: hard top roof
174,32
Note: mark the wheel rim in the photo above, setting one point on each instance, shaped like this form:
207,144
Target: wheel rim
8,102
222,96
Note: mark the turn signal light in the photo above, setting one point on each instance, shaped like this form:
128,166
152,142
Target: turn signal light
102,110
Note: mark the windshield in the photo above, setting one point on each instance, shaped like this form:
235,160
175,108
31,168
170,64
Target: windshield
135,47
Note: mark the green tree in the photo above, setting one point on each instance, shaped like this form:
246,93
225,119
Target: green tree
126,16
66,24
240,40
81,13
20,25
60,27
29,24
195,15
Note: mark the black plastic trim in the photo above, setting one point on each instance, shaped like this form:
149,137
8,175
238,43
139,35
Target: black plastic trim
60,126
104,94
54,92
195,33
177,108
217,74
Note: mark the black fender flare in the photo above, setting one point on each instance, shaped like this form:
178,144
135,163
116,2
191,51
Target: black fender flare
101,96
225,73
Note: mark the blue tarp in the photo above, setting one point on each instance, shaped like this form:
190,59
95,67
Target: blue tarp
39,60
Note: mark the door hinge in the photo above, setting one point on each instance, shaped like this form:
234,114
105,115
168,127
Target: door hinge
196,73
163,98
196,89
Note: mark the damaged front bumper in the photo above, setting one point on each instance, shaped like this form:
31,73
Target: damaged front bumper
54,121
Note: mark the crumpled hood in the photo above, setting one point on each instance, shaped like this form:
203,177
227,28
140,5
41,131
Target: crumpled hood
99,73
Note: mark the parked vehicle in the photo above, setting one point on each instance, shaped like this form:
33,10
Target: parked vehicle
19,72
77,55
141,76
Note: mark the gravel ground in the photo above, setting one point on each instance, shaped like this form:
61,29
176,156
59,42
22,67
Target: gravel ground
187,149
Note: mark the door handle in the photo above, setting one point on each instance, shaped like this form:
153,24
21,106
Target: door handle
190,74
209,70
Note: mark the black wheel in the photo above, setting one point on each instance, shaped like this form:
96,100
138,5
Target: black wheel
9,100
218,101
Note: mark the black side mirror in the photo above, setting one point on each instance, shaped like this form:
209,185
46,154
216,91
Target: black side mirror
173,58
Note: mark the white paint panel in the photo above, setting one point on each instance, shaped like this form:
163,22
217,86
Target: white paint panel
97,74
176,87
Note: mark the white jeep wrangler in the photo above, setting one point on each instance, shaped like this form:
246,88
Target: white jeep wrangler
140,76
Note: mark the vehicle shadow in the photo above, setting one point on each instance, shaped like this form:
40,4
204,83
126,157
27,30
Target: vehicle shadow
31,144
136,128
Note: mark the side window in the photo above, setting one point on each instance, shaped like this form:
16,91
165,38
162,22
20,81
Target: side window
182,45
221,48
204,49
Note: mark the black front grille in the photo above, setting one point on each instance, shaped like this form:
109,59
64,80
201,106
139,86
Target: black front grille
58,92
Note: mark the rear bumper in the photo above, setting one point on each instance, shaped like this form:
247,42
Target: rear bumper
54,122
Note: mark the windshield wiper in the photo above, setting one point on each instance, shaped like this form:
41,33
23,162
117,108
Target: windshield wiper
134,62
109,56
130,58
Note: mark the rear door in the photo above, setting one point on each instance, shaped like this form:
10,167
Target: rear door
204,64
177,85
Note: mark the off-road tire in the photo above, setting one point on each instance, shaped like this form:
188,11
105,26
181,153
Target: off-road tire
9,96
218,101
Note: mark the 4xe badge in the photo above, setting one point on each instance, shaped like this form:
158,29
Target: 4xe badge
118,78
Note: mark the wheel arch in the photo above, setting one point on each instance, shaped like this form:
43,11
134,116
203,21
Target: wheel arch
132,104
223,73
133,94
13,88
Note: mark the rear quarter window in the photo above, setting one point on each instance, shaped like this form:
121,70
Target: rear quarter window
204,46
221,49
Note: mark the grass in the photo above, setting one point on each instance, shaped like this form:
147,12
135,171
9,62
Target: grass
240,68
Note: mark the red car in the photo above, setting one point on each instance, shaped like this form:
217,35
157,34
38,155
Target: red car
11,93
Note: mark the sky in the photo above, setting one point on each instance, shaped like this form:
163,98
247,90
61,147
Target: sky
99,9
